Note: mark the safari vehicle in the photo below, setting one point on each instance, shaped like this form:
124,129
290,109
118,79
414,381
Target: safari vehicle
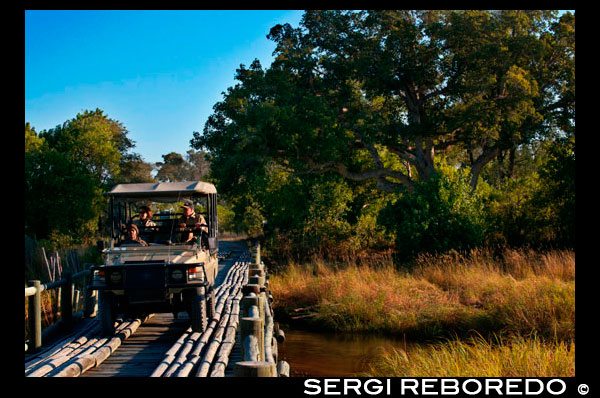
165,276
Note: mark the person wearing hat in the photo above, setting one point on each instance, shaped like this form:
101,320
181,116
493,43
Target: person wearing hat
145,219
191,220
133,237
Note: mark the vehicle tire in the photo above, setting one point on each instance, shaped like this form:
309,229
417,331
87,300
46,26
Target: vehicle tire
199,311
106,312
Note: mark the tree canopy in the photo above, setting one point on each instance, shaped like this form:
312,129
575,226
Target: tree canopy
175,168
375,96
367,122
93,140
66,170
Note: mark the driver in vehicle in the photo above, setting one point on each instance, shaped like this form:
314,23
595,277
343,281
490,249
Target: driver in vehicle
191,220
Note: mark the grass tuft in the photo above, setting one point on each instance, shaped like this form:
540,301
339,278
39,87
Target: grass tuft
517,293
477,357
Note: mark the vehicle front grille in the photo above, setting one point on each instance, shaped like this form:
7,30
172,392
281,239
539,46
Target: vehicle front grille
145,278
137,296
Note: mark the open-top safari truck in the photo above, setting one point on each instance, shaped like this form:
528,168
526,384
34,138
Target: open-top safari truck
165,275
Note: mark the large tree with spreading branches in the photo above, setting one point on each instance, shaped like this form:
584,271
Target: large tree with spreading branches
377,95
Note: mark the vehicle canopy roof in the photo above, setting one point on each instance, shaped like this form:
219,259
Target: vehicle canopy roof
161,191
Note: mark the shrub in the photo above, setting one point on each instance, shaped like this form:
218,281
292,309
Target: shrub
442,213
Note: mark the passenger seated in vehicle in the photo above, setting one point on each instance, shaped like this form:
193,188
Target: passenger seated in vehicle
191,220
145,219
144,223
133,239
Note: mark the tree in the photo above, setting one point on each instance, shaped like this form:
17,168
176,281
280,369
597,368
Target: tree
93,140
61,197
66,170
133,169
33,142
175,168
376,96
553,205
199,164
439,215
172,168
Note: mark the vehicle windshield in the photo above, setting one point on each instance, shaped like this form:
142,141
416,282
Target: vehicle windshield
159,223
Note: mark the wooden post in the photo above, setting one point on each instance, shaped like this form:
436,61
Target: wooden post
280,336
66,309
274,349
252,327
253,312
247,301
261,306
268,332
76,294
257,280
90,302
35,317
251,288
257,253
283,369
58,291
254,369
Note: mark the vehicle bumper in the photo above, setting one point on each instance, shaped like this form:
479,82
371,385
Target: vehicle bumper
145,283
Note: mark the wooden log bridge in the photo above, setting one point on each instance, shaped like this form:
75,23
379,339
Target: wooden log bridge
240,340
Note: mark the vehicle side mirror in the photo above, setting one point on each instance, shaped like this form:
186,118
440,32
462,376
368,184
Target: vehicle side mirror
100,245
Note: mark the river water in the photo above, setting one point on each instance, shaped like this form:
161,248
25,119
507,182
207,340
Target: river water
312,354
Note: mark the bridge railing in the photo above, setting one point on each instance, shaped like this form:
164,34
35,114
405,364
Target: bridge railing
69,299
259,334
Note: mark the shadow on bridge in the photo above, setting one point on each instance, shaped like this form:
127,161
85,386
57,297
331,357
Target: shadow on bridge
143,351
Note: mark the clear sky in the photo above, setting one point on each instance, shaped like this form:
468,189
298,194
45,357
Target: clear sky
157,72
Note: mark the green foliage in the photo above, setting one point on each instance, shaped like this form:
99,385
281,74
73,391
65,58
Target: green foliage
432,129
440,215
133,169
326,224
92,140
66,170
554,203
74,204
362,110
253,220
508,212
33,142
175,167
226,216
537,208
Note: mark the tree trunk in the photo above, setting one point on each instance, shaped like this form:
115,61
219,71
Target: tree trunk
487,156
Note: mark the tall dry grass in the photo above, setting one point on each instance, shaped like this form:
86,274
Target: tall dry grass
518,292
478,357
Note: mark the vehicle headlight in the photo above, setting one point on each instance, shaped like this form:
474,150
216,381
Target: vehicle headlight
177,275
116,277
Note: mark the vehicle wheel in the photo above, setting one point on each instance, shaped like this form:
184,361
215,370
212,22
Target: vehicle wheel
106,312
199,311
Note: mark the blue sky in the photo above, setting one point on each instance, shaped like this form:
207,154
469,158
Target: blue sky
157,72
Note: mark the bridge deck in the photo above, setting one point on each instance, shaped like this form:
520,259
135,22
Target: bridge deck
147,347
141,353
